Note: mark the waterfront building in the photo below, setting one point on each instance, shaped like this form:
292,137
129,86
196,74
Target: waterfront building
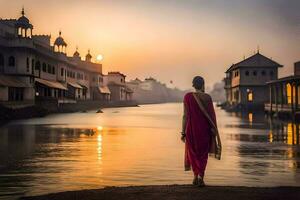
116,83
245,81
33,71
91,80
284,94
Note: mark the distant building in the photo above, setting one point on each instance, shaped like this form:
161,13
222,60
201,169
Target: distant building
245,81
152,91
134,84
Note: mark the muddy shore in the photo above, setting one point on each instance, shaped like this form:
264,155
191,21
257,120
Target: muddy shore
176,192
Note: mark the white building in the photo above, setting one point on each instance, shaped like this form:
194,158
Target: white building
33,70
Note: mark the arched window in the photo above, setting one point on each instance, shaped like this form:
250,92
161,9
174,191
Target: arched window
247,73
263,73
254,73
38,65
11,61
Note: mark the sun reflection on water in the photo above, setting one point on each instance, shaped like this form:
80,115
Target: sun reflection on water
99,142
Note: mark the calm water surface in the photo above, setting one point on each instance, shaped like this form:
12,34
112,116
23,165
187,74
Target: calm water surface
139,146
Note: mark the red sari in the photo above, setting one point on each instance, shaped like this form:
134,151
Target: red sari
198,133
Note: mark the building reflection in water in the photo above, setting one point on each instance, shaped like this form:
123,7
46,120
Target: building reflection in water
261,140
250,117
287,132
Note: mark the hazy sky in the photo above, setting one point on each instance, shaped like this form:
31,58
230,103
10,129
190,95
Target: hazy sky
170,40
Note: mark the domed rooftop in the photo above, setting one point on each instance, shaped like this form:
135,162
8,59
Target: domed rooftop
76,53
88,56
60,41
23,22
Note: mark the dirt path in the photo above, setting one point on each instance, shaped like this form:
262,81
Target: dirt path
174,192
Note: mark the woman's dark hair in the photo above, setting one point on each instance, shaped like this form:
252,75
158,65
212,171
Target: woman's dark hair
198,83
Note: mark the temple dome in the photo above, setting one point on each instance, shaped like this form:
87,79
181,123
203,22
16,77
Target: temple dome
23,22
88,56
60,41
76,53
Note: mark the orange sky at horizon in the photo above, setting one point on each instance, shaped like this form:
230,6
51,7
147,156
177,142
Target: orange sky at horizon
169,41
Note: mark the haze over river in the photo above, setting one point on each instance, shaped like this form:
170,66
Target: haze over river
140,146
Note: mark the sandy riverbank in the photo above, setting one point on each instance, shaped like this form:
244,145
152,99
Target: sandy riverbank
176,192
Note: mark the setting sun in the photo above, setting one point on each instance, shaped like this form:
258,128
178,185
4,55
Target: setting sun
99,58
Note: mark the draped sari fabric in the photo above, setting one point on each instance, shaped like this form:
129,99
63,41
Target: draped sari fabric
198,132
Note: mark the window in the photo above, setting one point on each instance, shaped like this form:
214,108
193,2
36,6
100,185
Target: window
53,70
79,76
38,65
271,73
254,73
32,66
263,73
62,71
49,70
1,60
249,95
44,67
247,73
121,80
15,94
236,73
289,93
27,64
11,61
1,63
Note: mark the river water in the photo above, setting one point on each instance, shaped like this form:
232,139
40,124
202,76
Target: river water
140,146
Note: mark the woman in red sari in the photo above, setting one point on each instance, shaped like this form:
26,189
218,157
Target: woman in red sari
199,130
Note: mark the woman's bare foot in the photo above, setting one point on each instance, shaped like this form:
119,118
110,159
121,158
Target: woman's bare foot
195,181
